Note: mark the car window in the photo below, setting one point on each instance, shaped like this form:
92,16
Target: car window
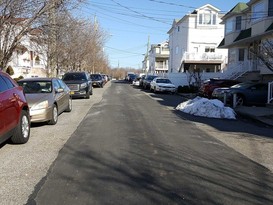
3,85
75,76
56,85
9,83
63,85
163,81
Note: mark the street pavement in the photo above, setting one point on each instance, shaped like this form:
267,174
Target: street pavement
129,149
259,114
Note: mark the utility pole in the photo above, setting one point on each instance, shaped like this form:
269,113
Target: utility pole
147,56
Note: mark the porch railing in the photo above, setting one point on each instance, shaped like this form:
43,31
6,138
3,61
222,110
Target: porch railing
270,92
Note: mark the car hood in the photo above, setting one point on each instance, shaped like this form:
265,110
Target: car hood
166,85
75,81
33,99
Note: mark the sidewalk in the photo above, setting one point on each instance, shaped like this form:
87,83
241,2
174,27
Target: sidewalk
260,114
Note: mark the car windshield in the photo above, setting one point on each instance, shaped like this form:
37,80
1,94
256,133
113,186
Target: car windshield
151,77
74,76
163,81
34,87
96,77
242,85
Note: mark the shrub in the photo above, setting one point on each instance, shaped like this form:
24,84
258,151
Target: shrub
187,89
19,78
10,70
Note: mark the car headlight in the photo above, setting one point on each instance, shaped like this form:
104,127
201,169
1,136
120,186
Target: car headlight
41,105
83,85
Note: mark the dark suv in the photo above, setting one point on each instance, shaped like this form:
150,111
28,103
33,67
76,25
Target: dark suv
14,111
97,80
208,86
79,83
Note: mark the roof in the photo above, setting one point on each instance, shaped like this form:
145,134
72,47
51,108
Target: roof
244,34
239,8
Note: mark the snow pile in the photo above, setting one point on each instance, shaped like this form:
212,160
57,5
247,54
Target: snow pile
206,108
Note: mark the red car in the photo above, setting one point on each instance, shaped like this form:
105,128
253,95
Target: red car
14,111
208,86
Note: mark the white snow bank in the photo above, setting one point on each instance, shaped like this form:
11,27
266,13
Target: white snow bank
207,108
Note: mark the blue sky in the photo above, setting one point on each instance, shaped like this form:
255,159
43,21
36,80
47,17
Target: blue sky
129,24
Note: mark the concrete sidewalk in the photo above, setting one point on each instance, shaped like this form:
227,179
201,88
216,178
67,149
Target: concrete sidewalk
260,114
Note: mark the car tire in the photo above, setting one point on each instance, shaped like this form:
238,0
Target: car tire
54,119
91,91
69,107
22,131
87,95
101,85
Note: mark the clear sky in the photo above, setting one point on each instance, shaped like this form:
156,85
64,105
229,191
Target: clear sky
130,23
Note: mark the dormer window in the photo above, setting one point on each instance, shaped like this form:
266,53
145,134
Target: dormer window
258,11
207,18
238,25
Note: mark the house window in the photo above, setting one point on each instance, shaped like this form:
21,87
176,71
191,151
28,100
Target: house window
176,50
238,25
258,11
229,26
241,54
209,49
270,7
37,60
207,18
178,28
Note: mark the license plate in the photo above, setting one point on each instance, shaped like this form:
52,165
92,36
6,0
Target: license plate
71,92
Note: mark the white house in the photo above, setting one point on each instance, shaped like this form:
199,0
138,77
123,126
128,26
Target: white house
158,58
29,58
193,43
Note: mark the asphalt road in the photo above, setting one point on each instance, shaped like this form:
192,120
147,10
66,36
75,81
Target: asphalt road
132,147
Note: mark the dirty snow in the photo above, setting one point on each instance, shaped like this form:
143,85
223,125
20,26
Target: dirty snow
207,108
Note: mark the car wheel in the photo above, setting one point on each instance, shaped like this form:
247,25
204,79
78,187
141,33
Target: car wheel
101,85
240,100
87,95
54,119
69,107
91,91
22,131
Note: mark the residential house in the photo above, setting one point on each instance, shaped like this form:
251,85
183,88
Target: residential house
193,42
248,33
29,59
29,56
158,58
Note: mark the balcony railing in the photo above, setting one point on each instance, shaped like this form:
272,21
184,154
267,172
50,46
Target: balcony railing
203,56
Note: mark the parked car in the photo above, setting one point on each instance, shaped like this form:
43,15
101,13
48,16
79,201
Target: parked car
14,111
160,84
136,81
248,93
79,83
47,98
97,80
208,86
147,80
141,81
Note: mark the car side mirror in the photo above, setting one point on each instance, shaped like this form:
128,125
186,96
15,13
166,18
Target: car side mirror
59,90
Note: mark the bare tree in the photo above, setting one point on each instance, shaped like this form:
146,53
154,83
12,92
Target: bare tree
19,18
264,52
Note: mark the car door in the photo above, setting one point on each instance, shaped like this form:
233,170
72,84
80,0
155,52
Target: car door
66,94
256,94
59,95
8,105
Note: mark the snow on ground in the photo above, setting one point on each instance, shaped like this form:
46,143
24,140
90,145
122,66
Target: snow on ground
207,108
